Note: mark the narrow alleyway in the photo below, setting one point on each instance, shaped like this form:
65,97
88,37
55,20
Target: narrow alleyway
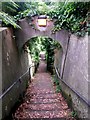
40,100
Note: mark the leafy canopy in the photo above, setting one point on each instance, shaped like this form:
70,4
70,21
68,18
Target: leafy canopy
71,16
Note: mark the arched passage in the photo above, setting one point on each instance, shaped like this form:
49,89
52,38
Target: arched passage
28,31
52,49
40,96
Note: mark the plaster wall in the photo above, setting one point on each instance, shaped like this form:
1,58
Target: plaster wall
75,77
89,70
58,60
0,74
27,32
76,66
14,64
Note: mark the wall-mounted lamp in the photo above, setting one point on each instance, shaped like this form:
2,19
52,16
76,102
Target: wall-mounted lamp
42,21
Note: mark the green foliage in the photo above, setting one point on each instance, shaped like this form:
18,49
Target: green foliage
34,46
32,9
8,19
40,44
22,15
74,114
8,9
72,17
57,84
50,45
58,87
13,11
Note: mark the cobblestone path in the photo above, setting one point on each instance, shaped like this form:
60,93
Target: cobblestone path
41,101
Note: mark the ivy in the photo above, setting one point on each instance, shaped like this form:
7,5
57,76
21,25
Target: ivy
71,16
43,44
50,45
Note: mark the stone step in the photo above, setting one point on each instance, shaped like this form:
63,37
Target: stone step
46,114
44,106
44,95
46,119
45,102
47,96
40,100
43,110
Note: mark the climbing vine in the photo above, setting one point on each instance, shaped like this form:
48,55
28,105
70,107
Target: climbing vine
34,47
43,44
71,16
50,46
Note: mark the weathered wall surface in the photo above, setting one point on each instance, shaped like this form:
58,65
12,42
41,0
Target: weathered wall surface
28,32
89,71
78,104
58,61
0,74
76,68
76,73
14,64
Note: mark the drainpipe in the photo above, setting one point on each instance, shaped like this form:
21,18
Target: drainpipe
65,56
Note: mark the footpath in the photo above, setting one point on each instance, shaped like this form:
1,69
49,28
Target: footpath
41,100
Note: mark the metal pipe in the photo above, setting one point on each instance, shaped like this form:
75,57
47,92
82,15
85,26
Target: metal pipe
8,89
65,56
29,74
18,80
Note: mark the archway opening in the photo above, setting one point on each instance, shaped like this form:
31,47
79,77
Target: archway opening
46,49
